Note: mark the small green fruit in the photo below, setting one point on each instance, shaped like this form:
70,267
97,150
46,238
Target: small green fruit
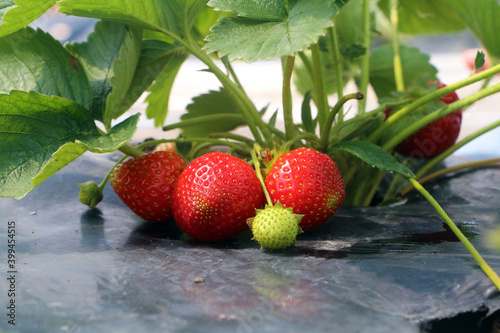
275,227
90,194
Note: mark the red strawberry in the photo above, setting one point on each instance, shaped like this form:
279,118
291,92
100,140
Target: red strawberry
146,183
215,195
309,182
436,137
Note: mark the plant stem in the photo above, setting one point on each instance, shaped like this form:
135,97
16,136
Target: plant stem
430,97
184,140
365,61
398,66
337,62
438,159
232,136
395,182
319,85
472,250
442,172
393,142
325,133
290,127
131,151
108,174
204,120
259,175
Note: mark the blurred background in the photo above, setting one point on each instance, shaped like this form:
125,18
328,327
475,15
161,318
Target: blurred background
447,53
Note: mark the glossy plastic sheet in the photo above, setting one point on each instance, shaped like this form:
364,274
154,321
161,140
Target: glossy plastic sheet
395,269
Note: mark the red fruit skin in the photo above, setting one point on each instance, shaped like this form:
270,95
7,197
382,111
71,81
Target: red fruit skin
146,184
309,182
214,197
436,137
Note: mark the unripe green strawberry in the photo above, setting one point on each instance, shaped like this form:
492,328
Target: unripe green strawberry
275,227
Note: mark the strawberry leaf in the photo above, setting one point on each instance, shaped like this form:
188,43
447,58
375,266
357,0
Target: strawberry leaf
124,70
425,16
15,15
374,156
480,60
159,93
268,29
173,17
34,60
481,18
40,134
97,55
213,103
415,64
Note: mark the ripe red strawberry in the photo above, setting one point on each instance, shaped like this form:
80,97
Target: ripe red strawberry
436,137
215,195
146,183
309,182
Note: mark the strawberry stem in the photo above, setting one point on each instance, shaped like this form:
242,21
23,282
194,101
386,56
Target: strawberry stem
325,133
290,127
335,51
319,85
438,159
394,141
398,66
476,164
430,97
365,60
261,179
472,250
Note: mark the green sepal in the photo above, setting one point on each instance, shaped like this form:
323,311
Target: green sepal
90,194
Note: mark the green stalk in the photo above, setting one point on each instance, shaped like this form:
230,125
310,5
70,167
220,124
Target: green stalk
325,133
204,120
184,140
395,182
438,159
393,142
131,151
252,116
259,175
365,61
472,250
442,172
232,136
319,85
431,97
304,136
337,62
398,66
290,127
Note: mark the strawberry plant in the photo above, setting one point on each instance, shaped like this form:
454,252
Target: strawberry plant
58,102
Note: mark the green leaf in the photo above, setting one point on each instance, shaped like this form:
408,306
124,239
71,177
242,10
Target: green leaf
33,60
425,16
356,126
33,127
373,155
15,15
307,120
481,16
480,60
159,93
213,103
119,135
97,56
415,64
268,29
123,74
166,16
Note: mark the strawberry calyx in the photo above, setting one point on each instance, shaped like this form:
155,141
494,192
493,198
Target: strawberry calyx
90,194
